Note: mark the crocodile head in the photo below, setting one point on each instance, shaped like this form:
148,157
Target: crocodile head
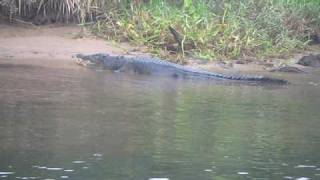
92,61
104,61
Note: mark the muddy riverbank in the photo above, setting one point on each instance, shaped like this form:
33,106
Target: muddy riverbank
55,45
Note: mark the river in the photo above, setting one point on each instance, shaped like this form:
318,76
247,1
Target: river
83,124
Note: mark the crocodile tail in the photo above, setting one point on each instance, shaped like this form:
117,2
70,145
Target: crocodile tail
273,80
259,79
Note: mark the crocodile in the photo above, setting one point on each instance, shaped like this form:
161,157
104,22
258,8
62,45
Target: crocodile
154,65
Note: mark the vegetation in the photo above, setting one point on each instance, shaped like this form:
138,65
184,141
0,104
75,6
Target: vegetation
206,28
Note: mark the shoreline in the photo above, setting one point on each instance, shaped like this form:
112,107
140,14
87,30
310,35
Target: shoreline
54,46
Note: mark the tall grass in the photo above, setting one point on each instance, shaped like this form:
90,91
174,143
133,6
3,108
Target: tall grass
208,28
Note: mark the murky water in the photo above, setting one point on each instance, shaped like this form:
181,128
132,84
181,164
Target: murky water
85,125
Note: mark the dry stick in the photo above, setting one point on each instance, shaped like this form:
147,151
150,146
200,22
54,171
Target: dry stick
18,20
23,22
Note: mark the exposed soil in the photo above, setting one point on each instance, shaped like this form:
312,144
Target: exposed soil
48,45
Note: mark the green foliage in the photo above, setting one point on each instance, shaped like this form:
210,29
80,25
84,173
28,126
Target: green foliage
187,3
219,29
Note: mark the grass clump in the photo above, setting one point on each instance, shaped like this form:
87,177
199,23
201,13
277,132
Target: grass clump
214,29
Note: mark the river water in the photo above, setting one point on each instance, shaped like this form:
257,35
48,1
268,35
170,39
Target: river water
83,124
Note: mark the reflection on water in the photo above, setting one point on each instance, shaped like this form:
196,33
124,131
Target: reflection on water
81,124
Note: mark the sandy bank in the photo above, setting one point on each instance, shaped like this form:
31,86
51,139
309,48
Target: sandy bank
48,45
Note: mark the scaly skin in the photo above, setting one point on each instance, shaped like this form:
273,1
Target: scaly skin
148,65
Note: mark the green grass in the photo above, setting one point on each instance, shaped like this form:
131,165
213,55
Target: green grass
211,29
